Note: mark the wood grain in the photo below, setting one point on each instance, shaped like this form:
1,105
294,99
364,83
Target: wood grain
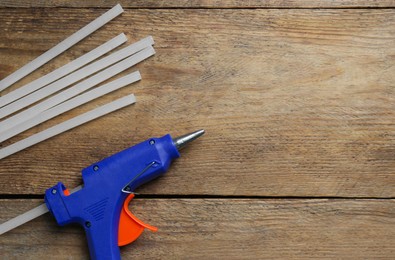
295,102
224,228
203,3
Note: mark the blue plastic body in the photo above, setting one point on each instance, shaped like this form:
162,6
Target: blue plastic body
97,206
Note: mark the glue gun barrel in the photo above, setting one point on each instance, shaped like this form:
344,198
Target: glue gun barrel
182,141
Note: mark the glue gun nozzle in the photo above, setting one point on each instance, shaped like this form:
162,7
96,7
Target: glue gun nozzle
182,141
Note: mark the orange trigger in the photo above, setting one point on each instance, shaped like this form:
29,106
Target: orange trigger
130,227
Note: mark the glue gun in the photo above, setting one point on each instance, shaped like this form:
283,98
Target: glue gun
101,206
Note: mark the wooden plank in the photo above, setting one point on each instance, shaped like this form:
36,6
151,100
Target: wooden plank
226,229
295,102
203,3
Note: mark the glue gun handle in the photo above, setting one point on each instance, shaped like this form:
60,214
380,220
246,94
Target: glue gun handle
102,242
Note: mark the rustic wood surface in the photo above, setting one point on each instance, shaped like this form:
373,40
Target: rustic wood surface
225,229
203,3
297,101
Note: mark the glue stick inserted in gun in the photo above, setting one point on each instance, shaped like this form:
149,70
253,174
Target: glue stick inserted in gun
101,205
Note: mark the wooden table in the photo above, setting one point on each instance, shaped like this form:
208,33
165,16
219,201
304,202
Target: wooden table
298,101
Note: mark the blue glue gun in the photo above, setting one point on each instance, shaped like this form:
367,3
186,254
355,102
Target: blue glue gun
101,205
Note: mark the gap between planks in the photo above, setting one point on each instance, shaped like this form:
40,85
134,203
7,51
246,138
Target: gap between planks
219,197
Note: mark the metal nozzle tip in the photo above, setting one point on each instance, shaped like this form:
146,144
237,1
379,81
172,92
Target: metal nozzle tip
182,141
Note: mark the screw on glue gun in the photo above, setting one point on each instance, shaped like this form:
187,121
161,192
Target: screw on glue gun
101,206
